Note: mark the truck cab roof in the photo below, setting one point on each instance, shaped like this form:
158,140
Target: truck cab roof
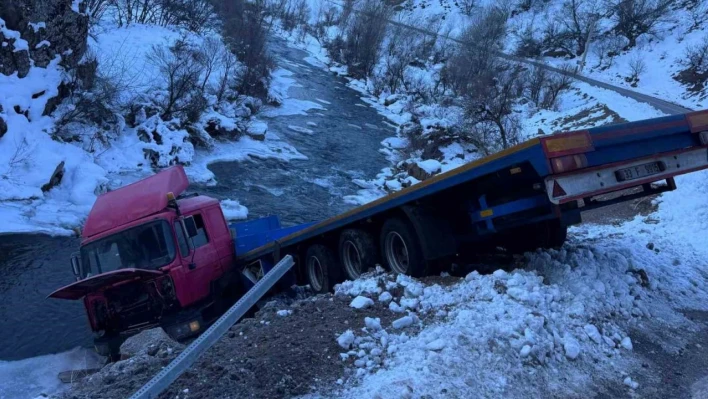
136,201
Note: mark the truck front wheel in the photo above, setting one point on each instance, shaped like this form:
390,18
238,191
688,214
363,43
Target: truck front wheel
358,252
401,249
321,268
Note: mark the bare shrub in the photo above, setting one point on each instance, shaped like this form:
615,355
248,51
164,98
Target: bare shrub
556,40
92,97
22,154
475,62
95,9
227,78
195,15
490,106
529,46
467,6
403,48
634,18
246,31
695,57
555,85
364,37
699,13
578,21
295,15
347,11
637,67
538,80
180,68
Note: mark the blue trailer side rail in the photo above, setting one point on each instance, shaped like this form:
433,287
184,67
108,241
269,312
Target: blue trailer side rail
601,147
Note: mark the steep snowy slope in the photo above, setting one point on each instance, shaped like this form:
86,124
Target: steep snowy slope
89,157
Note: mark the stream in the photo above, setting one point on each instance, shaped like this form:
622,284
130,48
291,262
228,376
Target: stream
341,141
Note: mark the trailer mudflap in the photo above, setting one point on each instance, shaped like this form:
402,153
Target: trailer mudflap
80,288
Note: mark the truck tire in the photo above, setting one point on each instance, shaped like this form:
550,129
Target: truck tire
321,268
357,252
546,235
400,249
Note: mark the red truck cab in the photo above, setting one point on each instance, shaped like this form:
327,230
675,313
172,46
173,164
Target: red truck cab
149,257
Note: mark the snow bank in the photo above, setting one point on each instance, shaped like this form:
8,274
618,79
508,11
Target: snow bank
29,378
241,150
281,83
29,157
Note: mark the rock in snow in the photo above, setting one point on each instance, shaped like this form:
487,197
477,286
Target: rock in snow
436,345
385,297
346,339
372,324
631,383
403,322
627,343
525,351
571,347
361,302
394,307
593,333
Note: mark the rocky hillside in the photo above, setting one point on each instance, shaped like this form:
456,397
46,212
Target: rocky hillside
40,31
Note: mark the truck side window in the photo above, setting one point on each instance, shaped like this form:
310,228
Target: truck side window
181,239
202,238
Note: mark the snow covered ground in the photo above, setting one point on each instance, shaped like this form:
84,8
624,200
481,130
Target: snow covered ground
29,154
558,325
31,378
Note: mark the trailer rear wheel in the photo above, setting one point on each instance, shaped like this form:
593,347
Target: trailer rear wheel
401,250
321,268
357,251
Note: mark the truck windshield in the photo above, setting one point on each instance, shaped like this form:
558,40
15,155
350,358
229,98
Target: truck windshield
148,246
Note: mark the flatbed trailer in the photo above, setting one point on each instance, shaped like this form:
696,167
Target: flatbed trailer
522,198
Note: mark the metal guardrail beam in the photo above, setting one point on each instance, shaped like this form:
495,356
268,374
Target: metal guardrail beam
169,374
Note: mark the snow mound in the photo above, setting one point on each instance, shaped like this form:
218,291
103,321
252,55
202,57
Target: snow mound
430,165
233,210
30,378
564,305
364,285
361,302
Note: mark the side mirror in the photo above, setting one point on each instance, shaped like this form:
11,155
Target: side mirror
76,265
191,227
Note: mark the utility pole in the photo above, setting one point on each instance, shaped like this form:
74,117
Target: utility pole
591,30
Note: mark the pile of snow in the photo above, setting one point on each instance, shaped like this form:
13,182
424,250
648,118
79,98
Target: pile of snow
30,378
233,210
563,306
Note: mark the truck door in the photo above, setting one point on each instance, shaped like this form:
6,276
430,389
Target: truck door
202,262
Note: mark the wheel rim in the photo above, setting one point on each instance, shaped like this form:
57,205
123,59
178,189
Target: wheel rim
397,253
352,260
314,270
